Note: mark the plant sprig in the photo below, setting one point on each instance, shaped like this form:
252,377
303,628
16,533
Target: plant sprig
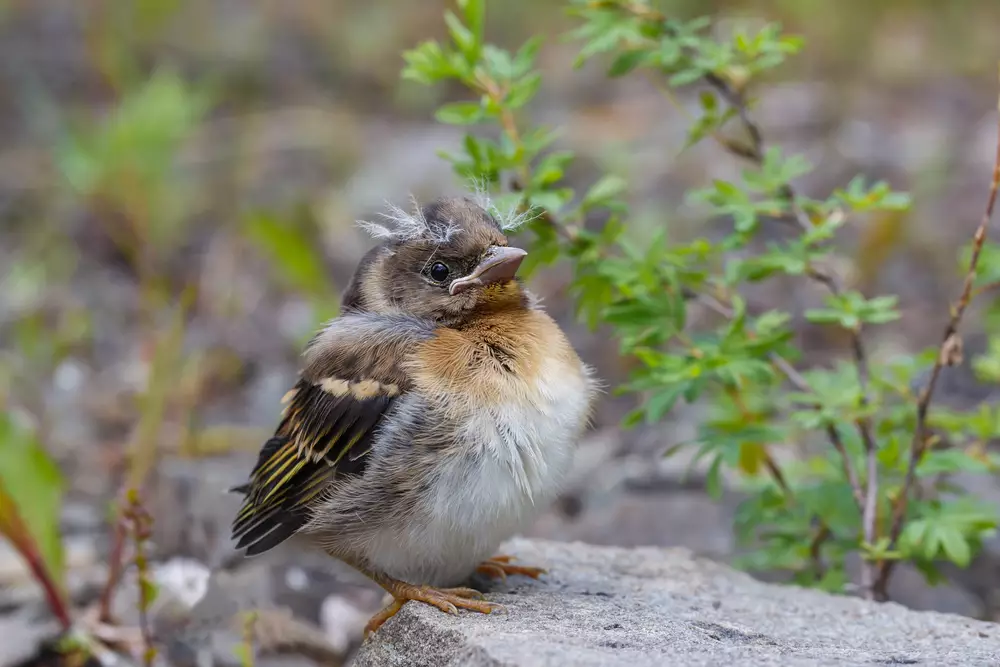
857,494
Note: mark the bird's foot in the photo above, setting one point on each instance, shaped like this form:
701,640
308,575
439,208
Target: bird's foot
499,567
448,600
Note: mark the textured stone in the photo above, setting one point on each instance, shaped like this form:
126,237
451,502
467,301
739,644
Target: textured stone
649,606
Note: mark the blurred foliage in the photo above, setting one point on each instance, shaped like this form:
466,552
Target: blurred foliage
126,165
806,516
288,242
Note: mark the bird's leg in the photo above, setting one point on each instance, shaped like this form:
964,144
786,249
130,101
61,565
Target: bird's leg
499,567
448,600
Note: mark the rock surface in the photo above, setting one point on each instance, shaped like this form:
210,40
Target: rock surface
649,606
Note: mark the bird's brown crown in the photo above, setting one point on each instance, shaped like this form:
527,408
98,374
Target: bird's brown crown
446,261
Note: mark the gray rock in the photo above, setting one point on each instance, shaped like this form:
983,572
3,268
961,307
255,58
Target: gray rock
651,606
21,634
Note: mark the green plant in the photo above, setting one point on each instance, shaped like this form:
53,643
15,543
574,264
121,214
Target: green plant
126,167
30,496
244,651
290,243
879,487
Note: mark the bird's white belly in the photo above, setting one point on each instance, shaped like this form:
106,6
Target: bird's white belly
514,466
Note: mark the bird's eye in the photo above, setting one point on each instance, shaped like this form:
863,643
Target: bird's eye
439,272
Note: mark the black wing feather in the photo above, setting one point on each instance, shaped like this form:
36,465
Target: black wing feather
321,436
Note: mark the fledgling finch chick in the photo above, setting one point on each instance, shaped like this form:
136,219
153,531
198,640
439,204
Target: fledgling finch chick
433,419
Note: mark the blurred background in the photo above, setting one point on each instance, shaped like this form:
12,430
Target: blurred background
179,184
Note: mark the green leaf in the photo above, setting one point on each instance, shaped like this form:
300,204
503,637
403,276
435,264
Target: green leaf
627,61
713,479
150,591
850,309
605,189
31,488
955,546
462,36
686,76
427,63
551,168
524,59
460,113
662,401
293,252
551,200
937,462
474,12
524,90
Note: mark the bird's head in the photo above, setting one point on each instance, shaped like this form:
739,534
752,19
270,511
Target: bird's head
445,261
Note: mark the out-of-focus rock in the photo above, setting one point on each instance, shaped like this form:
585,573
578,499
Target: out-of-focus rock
21,635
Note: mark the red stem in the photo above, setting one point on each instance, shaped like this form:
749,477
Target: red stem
53,594
116,566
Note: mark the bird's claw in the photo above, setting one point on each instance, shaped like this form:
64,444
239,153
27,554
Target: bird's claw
499,567
448,600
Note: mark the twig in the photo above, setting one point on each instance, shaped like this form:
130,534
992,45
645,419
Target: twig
141,524
948,353
988,287
775,470
823,533
116,565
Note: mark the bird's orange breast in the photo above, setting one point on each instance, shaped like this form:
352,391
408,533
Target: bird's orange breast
496,359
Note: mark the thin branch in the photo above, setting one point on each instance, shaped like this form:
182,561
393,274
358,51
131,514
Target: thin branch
823,533
116,566
775,471
988,287
140,522
948,355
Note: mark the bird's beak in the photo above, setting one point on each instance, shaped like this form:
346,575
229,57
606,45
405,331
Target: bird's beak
498,266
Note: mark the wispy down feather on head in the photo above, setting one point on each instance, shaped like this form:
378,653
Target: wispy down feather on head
402,226
397,224
511,219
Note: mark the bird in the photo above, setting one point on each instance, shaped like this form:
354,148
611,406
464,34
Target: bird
435,417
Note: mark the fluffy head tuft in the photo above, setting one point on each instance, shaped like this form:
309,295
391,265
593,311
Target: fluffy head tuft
510,220
400,225
403,226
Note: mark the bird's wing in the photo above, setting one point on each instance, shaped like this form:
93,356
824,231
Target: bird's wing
352,376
